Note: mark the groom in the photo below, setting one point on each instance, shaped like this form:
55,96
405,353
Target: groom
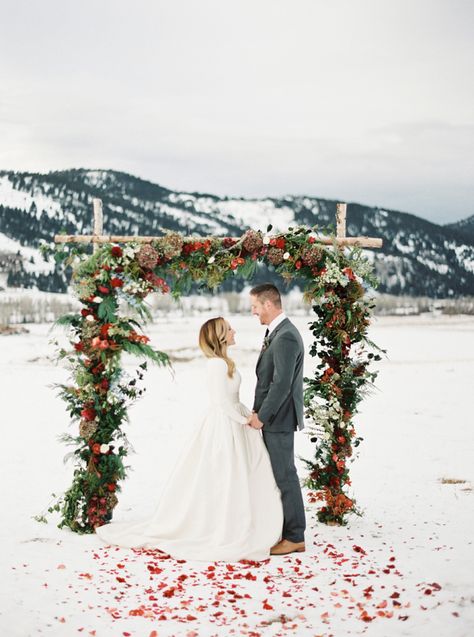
278,408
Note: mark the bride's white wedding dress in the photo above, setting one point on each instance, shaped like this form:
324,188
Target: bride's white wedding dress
221,501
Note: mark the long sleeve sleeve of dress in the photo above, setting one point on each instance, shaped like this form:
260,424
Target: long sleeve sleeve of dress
220,393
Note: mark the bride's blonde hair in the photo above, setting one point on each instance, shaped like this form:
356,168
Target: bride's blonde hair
213,341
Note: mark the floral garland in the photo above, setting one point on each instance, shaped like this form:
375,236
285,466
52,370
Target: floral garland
112,285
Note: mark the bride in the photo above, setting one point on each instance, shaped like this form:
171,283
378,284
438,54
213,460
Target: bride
221,501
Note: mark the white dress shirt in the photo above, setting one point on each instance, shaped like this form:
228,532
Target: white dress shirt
276,321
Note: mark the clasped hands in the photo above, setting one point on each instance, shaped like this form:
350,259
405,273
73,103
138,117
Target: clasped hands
254,422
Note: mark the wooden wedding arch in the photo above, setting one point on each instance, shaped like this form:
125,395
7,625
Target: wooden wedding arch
336,274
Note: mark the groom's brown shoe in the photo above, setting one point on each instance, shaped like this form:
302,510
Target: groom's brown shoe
284,547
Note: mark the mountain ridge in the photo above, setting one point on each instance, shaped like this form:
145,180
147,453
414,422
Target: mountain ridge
419,257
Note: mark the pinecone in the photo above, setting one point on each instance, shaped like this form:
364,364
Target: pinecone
253,241
87,429
112,501
147,256
172,244
275,256
311,255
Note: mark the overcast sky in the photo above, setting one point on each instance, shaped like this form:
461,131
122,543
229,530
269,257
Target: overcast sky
356,100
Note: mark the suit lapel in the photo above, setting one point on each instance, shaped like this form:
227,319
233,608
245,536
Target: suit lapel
270,339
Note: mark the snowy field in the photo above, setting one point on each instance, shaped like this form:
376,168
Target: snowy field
405,567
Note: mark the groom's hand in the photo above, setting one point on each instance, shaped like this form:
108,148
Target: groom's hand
255,422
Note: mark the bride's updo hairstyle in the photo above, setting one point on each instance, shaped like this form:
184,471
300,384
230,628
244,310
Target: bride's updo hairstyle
213,341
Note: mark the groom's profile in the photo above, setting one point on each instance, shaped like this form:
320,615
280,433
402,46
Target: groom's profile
278,408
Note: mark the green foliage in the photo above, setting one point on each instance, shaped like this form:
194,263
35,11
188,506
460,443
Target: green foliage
67,320
108,309
145,351
97,399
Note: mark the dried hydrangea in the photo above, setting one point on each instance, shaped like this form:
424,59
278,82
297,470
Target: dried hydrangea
84,288
311,255
253,241
172,244
275,256
147,256
87,428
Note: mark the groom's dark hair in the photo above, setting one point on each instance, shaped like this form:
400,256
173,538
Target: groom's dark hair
267,292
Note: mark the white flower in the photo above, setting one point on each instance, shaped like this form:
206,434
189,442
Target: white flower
211,260
97,299
104,448
266,240
327,436
342,424
130,251
286,255
90,318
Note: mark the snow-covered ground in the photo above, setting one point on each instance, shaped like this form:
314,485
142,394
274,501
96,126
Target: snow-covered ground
403,568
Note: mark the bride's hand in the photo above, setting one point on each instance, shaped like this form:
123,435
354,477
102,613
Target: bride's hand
255,422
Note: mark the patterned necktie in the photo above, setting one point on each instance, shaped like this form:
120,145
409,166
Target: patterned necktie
265,340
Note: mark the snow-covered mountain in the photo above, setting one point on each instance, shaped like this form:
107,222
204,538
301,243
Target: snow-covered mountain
418,257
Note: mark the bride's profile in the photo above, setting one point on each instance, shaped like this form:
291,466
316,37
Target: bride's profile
221,501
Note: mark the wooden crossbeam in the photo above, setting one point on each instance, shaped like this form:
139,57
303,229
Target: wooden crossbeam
364,242
98,237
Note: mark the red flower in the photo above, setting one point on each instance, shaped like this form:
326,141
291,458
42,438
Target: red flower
280,243
236,262
104,383
137,338
115,282
79,347
298,264
111,487
96,448
99,343
88,413
106,268
85,312
118,269
116,251
349,274
103,289
104,330
98,369
311,240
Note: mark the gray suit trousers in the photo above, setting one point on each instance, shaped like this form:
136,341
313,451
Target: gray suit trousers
280,446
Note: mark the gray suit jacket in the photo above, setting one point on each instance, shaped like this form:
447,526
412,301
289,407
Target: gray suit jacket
279,392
